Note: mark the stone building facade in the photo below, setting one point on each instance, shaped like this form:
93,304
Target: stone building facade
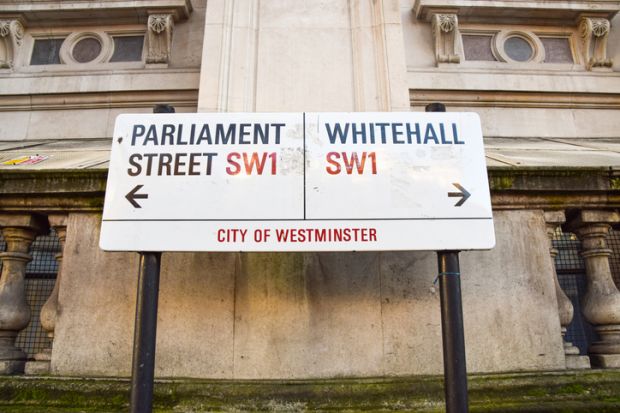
543,76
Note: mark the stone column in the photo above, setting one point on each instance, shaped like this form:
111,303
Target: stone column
601,304
49,311
18,231
565,306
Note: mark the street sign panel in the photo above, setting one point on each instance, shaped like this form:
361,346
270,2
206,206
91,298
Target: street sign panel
297,182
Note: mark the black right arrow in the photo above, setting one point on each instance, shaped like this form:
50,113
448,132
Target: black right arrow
464,194
132,196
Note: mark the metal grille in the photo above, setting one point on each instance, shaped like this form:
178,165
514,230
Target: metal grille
40,279
613,241
572,278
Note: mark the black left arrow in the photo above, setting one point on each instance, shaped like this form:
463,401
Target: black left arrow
464,194
132,196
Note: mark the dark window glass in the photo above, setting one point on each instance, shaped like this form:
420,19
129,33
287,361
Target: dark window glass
478,47
557,50
127,49
46,52
518,49
86,50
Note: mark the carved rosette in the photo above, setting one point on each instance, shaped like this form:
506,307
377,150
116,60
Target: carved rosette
446,22
447,38
159,38
11,35
594,33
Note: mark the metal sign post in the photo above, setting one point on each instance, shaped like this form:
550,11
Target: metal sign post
145,333
452,332
145,328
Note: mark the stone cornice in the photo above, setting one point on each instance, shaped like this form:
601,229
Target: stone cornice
52,191
511,188
52,13
126,99
515,99
554,188
517,11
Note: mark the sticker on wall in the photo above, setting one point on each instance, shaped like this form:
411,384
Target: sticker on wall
26,160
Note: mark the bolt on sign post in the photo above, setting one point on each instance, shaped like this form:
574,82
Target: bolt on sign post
375,181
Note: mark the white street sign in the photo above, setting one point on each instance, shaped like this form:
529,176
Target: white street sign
297,182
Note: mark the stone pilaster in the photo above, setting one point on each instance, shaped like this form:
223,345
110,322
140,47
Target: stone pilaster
49,311
18,231
565,307
601,303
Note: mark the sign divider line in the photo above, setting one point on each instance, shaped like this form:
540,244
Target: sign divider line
304,140
310,219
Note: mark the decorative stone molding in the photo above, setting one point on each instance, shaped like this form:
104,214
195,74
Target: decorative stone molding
18,231
553,220
601,303
159,38
68,12
447,38
11,35
546,13
594,33
50,309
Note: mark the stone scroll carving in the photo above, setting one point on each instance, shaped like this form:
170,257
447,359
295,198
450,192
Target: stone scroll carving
159,35
447,38
11,35
594,33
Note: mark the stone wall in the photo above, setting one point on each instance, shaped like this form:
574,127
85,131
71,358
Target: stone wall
274,315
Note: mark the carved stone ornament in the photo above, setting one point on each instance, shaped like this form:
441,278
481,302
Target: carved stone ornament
594,32
11,35
447,38
159,38
158,23
447,22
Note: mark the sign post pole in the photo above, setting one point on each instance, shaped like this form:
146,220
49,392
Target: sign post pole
143,365
455,370
145,327
452,331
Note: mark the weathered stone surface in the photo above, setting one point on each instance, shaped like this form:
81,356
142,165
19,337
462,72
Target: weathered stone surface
309,315
606,361
98,290
575,362
94,325
37,367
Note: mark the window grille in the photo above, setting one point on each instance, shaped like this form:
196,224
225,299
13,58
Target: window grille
40,278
